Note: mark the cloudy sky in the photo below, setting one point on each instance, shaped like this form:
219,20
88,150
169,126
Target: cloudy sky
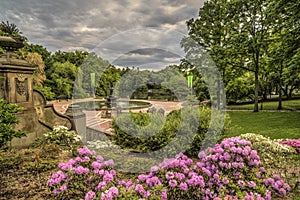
124,32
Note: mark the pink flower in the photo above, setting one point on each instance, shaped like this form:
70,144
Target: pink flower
183,186
164,195
172,183
90,195
169,175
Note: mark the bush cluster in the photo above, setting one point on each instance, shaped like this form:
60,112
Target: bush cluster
61,136
229,170
267,148
7,122
292,143
186,127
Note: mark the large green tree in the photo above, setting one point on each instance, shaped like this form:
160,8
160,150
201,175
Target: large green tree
63,78
285,47
235,34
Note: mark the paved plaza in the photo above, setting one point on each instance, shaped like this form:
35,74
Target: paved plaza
94,120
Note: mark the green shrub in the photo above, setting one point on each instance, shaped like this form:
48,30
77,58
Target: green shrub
134,131
7,122
47,92
181,128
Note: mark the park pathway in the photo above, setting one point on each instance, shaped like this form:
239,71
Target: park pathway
93,119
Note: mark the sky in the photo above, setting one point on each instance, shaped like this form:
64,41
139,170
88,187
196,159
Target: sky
141,33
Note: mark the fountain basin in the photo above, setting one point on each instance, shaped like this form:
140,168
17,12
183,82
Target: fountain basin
120,104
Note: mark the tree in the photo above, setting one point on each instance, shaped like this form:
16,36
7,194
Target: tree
76,58
235,33
239,89
39,73
46,55
285,46
107,80
7,122
92,64
211,32
63,78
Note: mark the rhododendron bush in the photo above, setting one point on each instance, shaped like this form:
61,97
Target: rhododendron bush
229,170
293,143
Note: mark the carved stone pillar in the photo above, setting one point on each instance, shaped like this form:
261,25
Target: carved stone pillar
79,120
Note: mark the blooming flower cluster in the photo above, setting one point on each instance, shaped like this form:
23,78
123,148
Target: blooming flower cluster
62,136
88,172
229,170
293,143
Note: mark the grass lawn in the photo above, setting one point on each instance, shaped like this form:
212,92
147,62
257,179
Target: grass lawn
287,105
275,125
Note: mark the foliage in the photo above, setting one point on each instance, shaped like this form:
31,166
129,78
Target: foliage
31,159
77,58
62,137
92,64
10,29
39,74
182,127
47,92
258,36
140,131
63,77
267,149
239,89
89,176
7,122
229,170
275,157
107,80
292,143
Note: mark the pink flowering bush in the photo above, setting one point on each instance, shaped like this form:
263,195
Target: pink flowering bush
78,176
229,170
293,143
89,177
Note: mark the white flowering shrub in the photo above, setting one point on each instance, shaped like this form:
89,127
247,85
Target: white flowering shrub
60,135
266,145
270,151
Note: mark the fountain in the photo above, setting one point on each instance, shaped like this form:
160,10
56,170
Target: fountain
111,100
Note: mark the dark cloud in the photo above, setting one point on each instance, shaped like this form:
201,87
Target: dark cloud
147,56
83,25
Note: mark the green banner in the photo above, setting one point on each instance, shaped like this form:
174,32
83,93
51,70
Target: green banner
190,79
93,77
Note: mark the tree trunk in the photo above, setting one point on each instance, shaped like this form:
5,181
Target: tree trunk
218,95
256,91
286,91
280,90
290,93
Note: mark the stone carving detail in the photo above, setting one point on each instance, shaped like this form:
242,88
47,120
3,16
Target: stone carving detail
21,84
